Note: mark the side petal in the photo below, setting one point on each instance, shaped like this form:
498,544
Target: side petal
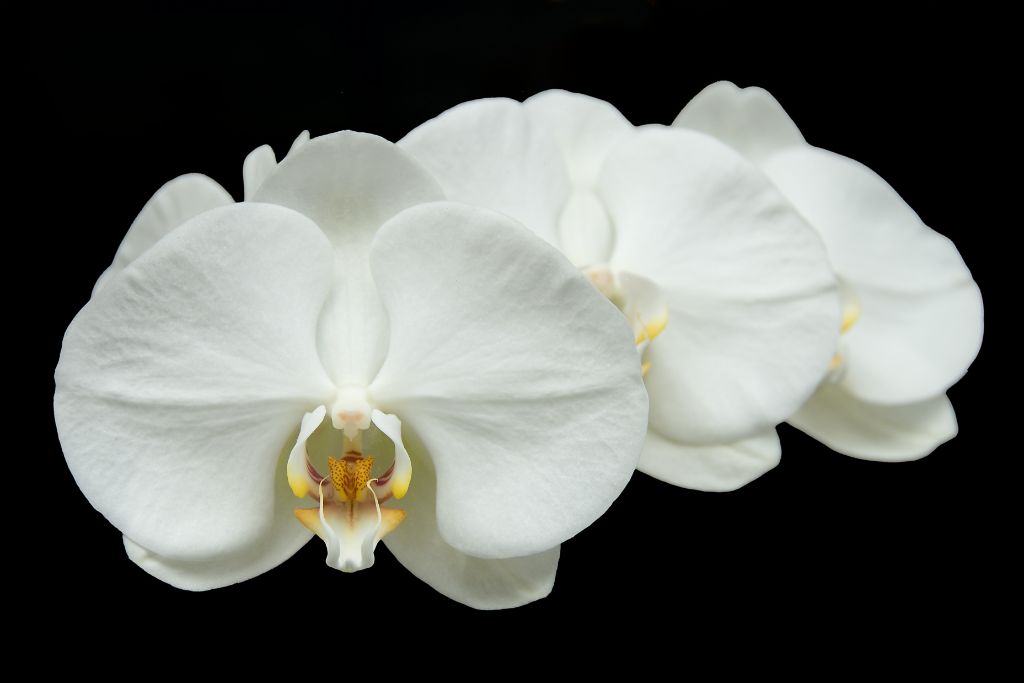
179,385
261,162
753,304
749,120
350,184
488,153
174,203
521,379
258,164
586,129
483,584
718,467
921,314
280,541
870,431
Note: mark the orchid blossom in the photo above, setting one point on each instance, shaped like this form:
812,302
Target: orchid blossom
727,289
912,314
397,367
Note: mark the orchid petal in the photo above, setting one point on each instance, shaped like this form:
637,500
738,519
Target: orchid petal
586,129
258,165
749,120
174,203
484,584
488,153
921,317
521,379
716,467
182,381
870,431
753,305
350,184
278,543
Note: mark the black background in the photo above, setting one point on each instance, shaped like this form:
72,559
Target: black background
133,97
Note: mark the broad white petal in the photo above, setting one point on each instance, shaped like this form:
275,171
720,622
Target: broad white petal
585,229
174,203
753,305
521,379
487,153
870,431
181,382
921,317
258,165
350,184
282,540
479,583
300,140
586,129
749,120
717,467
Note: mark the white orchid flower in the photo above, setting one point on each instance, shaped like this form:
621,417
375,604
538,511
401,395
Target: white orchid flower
913,316
352,340
691,241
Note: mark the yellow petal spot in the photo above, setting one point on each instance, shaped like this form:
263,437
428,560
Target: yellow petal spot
400,485
644,367
851,314
652,329
349,476
298,484
389,519
836,361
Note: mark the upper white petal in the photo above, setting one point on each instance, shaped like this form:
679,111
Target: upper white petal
870,431
350,184
180,383
586,129
488,153
749,120
258,165
921,317
521,379
174,203
753,306
715,467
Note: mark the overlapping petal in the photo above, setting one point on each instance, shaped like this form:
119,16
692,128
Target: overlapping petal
749,120
520,378
350,184
174,203
488,153
714,467
921,317
871,431
473,581
753,304
181,382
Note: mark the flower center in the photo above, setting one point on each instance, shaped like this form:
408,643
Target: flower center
639,299
350,516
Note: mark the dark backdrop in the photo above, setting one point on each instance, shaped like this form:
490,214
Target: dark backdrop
134,97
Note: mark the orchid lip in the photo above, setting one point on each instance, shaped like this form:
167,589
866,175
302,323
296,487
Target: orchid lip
639,299
349,516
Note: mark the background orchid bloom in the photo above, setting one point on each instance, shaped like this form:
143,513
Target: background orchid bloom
728,289
350,317
913,315
184,197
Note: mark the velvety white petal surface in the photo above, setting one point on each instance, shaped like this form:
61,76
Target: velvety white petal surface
585,231
174,203
753,305
521,379
586,130
921,316
488,153
749,120
350,184
717,467
473,581
258,165
180,383
278,543
870,431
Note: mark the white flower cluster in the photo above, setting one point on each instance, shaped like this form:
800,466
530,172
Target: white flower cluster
464,344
